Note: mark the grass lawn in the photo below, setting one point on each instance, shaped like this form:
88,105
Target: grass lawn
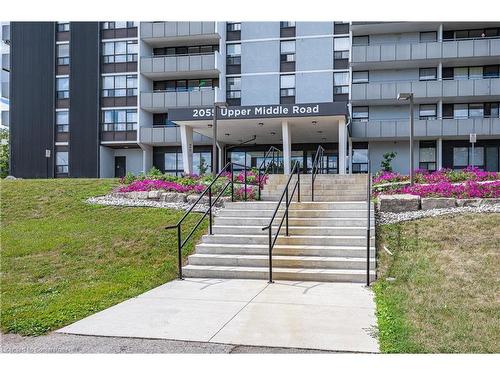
446,294
62,259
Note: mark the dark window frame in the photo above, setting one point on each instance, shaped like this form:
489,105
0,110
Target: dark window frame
129,91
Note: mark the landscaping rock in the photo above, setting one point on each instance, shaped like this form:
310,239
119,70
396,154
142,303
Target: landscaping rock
432,203
138,194
173,197
191,198
10,178
154,194
398,203
469,202
490,201
117,194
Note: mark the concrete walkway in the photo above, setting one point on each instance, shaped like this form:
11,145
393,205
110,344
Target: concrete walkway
286,314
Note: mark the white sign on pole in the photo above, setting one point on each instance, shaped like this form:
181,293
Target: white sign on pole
47,153
472,137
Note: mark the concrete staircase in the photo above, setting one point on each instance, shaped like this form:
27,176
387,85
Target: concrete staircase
326,242
327,187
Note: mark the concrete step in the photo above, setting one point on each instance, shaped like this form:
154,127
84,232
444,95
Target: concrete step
290,250
292,230
302,274
282,240
311,221
356,205
280,261
295,213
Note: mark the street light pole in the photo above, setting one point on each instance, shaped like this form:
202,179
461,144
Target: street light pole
214,145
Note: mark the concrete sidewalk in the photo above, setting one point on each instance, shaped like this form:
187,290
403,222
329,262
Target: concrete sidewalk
287,314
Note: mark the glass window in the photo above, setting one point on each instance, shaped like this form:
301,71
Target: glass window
62,161
119,86
63,54
428,36
62,26
476,110
62,87
360,77
62,121
287,24
119,120
476,72
233,49
341,44
360,113
460,111
428,74
461,73
341,83
478,156
491,71
427,111
287,81
427,154
233,26
491,110
119,52
460,156
288,46
360,40
108,48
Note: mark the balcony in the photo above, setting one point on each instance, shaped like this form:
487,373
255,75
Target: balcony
387,92
484,50
156,33
181,66
162,100
399,128
165,136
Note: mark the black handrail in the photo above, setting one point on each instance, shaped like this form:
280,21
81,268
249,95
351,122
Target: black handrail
288,200
275,153
316,166
368,224
211,204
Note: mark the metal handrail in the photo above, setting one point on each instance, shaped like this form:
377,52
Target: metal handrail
368,223
275,154
318,158
211,204
288,200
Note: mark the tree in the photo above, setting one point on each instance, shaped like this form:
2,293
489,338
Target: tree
203,166
386,162
4,153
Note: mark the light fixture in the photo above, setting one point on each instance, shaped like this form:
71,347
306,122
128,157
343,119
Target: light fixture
261,124
314,122
324,139
404,95
227,134
319,131
272,133
209,125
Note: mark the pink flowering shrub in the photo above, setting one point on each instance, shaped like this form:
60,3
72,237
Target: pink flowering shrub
469,189
148,185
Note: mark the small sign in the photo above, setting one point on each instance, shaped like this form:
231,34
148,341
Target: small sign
47,153
472,137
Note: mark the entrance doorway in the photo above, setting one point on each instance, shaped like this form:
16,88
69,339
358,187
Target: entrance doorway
120,166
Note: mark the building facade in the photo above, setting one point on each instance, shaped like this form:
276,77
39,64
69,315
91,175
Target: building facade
102,99
5,74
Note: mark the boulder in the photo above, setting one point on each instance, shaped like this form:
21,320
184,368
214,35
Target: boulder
154,194
138,195
191,198
432,203
117,194
469,202
488,201
10,178
398,203
173,197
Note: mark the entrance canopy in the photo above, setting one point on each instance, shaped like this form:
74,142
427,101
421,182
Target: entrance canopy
310,123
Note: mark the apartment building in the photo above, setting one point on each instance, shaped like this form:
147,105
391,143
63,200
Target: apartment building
101,99
451,68
5,73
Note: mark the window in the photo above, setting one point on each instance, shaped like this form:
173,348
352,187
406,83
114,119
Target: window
287,85
173,163
182,85
448,73
202,162
472,34
461,73
428,74
360,40
62,121
233,26
63,54
192,50
341,83
360,77
62,26
491,110
119,85
491,71
427,155
341,53
286,24
476,110
359,160
287,51
62,88
62,162
427,111
460,156
341,44
460,111
118,25
233,87
119,120
119,52
478,158
360,113
476,72
341,27
233,52
428,36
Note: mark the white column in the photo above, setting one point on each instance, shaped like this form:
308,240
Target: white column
187,148
350,155
287,146
439,153
440,33
147,157
342,146
440,71
439,112
220,148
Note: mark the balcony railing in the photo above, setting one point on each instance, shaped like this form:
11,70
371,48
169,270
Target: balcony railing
165,66
151,30
171,99
425,89
408,51
399,128
166,135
